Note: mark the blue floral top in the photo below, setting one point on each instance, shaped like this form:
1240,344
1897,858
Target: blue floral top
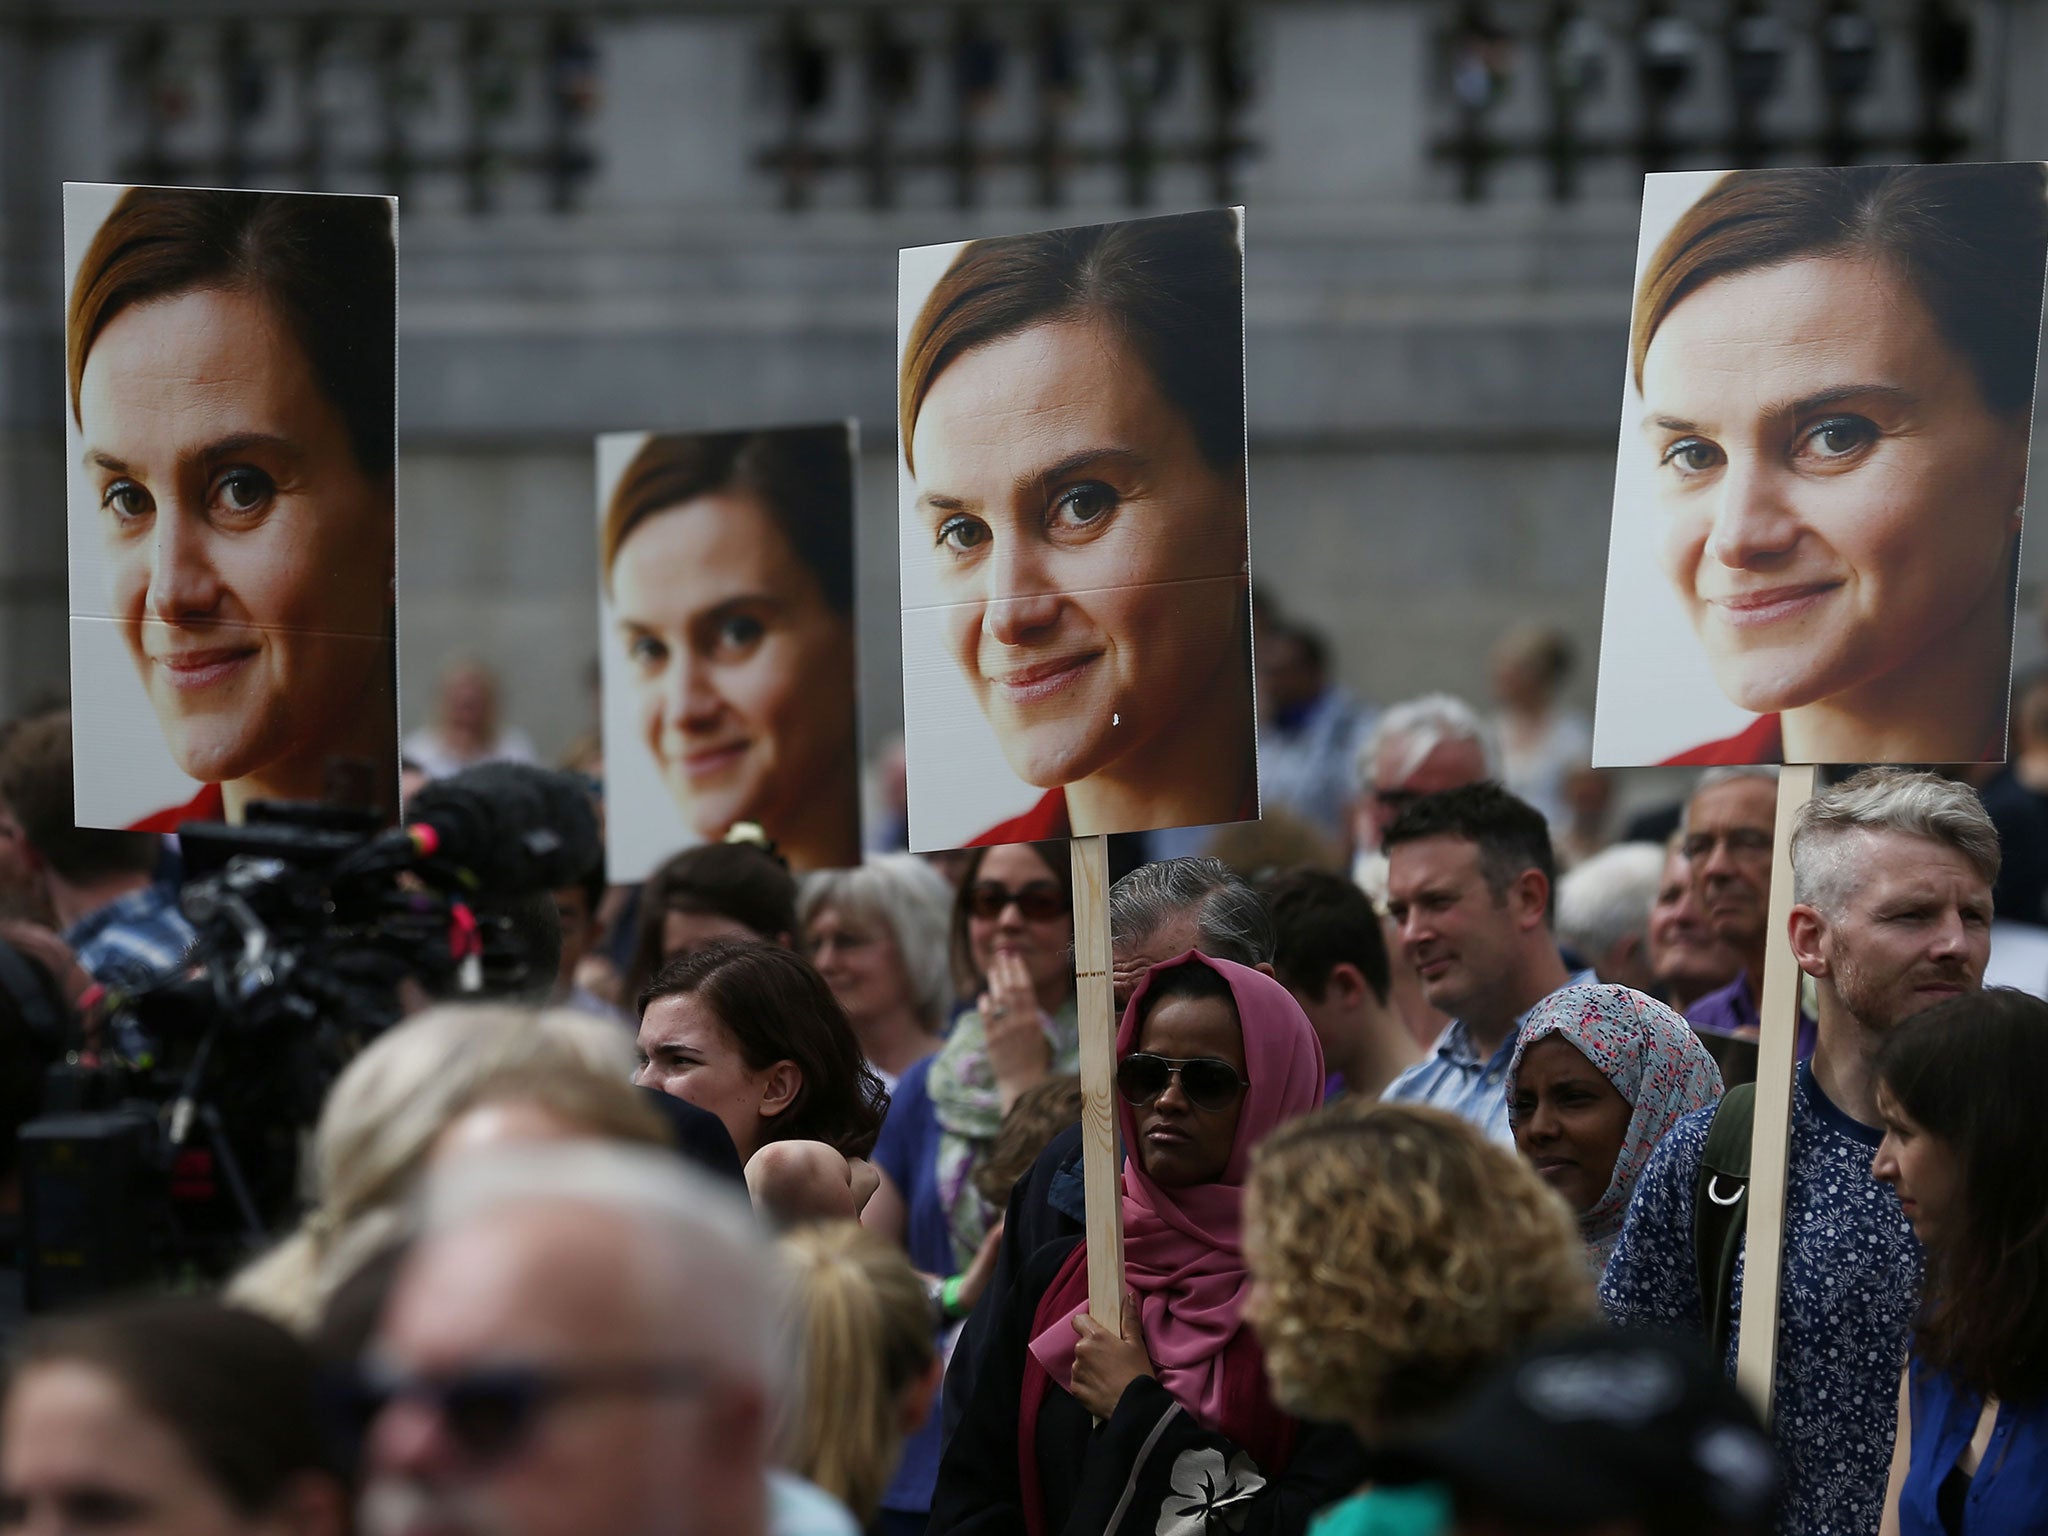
1850,1289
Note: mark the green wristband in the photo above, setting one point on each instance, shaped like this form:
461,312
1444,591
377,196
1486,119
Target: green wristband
949,1298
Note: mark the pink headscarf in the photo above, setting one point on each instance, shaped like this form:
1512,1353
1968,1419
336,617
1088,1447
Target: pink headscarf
1181,1246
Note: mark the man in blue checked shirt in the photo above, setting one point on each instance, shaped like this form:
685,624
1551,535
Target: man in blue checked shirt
1469,879
123,924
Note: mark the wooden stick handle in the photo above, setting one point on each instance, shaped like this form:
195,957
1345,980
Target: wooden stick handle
1101,1172
1756,1353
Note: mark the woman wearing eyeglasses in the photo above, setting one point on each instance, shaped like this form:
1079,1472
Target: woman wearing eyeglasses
1012,944
167,1418
1212,1057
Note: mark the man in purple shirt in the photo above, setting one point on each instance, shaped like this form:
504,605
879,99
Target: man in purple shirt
1727,839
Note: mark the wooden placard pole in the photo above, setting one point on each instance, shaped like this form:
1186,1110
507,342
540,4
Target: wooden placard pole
1102,1177
1756,1352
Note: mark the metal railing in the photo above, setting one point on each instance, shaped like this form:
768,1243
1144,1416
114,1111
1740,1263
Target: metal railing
1576,86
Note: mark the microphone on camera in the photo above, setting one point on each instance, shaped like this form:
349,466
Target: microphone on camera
512,827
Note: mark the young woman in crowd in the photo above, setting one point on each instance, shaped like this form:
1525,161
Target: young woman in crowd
452,1077
1164,1424
751,1033
1011,948
728,558
1837,375
721,893
1072,409
1600,1075
232,383
166,1417
1959,1089
1398,1254
871,1368
877,934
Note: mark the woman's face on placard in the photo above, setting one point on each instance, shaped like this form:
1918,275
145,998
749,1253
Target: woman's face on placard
250,556
744,671
1093,560
1838,497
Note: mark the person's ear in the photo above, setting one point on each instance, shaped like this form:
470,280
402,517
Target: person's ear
1808,931
1345,985
1265,968
1530,897
785,940
783,1082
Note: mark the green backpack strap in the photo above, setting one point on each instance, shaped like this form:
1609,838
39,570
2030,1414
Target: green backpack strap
1720,1210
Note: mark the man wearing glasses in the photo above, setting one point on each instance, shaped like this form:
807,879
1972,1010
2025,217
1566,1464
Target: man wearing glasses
1726,839
583,1343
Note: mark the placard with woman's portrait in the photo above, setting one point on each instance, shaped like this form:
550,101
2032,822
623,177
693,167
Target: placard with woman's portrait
726,593
230,414
1075,544
1823,464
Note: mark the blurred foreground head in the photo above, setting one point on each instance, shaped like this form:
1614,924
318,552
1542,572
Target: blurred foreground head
584,1340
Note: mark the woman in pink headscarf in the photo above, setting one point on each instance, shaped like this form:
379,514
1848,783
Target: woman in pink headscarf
1212,1057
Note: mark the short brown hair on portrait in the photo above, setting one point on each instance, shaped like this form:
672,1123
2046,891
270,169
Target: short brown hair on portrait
1171,288
801,476
36,783
1970,241
326,264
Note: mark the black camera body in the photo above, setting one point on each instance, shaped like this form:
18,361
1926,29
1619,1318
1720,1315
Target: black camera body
177,1159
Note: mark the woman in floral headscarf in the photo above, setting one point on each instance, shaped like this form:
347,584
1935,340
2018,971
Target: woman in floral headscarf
1163,1427
1601,1074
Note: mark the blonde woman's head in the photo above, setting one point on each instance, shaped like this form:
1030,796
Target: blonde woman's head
1397,1253
453,1077
865,1330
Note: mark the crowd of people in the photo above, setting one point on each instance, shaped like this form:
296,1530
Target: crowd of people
758,1205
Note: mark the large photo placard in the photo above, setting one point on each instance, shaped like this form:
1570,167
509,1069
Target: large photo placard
1074,535
726,593
230,413
1822,465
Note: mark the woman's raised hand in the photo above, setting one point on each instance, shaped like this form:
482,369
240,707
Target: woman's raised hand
1019,1035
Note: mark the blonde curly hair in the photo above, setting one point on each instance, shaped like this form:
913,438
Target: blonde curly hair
1398,1253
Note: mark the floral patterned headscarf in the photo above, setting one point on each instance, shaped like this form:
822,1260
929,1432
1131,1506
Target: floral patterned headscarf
1656,1064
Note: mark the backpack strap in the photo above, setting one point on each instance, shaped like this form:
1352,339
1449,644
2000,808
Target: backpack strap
1720,1211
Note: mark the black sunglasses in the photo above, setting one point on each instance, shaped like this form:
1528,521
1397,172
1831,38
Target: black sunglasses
489,1412
1209,1084
1039,901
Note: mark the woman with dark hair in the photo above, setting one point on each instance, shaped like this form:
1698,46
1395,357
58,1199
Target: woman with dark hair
1072,410
753,1034
721,893
173,1417
728,560
1212,1057
1958,1088
1012,943
1837,373
231,367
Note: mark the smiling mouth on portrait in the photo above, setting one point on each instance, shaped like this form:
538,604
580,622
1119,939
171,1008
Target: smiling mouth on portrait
1771,605
702,764
200,668
1043,680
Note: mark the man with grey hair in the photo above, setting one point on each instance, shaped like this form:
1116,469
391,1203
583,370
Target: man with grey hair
1165,909
586,1338
1156,912
1419,747
1727,836
1892,873
1603,912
